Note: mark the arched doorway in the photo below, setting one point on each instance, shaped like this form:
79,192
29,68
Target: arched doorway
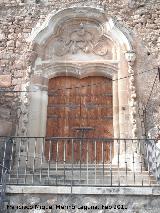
74,102
82,42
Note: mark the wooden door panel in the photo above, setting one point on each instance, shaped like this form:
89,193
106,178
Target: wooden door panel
76,102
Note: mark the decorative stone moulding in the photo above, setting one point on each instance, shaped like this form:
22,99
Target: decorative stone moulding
131,57
77,70
24,110
30,58
24,98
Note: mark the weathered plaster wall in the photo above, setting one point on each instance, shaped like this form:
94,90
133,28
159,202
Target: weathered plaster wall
134,204
18,18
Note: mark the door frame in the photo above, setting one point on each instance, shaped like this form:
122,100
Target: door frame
39,99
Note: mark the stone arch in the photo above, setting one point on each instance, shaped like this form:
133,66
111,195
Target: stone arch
116,66
42,32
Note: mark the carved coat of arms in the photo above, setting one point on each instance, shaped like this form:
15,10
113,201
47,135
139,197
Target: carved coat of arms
80,40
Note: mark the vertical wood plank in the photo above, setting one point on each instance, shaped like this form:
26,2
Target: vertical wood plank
83,102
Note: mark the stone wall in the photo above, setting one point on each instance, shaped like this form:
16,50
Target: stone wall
131,204
19,17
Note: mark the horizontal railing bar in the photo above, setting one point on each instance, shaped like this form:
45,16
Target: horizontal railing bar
117,139
93,185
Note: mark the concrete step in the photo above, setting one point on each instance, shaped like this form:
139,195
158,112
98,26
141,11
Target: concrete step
69,174
102,173
75,179
83,172
83,169
98,172
107,182
83,166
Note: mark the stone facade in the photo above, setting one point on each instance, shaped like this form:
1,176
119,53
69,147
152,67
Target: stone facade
132,203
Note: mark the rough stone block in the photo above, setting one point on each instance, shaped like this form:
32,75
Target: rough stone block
2,36
5,80
10,43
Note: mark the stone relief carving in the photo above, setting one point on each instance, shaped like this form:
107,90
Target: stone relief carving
80,39
77,37
101,48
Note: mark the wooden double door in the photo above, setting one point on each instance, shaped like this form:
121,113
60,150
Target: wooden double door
81,103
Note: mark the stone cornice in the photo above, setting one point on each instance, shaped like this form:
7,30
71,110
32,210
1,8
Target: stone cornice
77,69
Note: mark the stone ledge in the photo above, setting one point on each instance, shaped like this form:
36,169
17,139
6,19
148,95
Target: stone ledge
146,190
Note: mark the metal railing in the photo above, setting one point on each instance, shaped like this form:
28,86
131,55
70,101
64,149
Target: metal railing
3,198
152,157
73,161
